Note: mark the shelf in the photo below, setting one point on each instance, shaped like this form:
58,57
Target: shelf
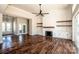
39,26
39,23
48,26
64,25
64,21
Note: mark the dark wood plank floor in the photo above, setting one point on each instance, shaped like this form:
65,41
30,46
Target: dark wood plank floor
25,44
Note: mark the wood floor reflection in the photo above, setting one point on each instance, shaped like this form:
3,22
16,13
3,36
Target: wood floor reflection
25,44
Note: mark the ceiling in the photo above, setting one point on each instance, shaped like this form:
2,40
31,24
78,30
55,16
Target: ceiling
34,8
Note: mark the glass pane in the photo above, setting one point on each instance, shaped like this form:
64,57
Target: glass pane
8,26
3,27
20,28
14,26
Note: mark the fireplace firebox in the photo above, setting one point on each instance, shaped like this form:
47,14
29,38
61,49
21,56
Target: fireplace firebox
48,33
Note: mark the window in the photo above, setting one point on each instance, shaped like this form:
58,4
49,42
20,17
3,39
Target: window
14,26
20,28
8,26
3,27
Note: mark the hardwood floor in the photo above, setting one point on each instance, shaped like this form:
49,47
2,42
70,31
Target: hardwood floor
24,44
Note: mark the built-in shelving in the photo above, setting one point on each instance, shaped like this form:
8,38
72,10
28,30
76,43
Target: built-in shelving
39,26
64,21
64,25
48,26
39,23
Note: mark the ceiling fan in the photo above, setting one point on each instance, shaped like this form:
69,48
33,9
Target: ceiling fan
40,12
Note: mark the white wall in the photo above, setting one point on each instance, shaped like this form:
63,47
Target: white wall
74,23
34,26
58,15
39,29
75,26
1,28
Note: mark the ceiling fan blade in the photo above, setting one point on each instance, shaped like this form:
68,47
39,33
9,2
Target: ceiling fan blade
42,15
45,13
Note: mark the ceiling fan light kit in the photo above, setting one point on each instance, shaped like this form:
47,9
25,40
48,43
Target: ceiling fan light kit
40,12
